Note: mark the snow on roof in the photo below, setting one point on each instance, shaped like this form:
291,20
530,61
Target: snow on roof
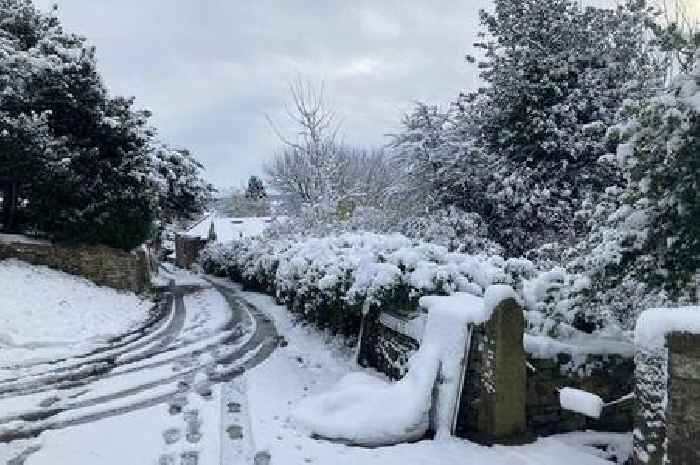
229,228
654,324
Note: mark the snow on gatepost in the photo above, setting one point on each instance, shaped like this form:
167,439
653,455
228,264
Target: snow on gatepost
655,324
651,373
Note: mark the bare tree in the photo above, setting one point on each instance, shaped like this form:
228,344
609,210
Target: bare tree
302,171
315,169
680,34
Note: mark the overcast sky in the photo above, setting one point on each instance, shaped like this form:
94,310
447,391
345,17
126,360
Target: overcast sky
211,70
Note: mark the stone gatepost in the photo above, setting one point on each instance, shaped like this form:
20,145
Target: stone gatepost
667,418
683,405
501,404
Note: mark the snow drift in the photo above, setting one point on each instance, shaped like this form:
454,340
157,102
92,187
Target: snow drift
364,410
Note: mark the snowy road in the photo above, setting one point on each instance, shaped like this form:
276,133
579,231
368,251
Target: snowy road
207,380
196,337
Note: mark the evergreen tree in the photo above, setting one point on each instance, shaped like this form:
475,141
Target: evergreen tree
83,157
523,151
182,192
255,189
644,246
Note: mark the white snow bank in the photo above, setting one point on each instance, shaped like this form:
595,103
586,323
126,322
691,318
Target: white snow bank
576,400
363,410
654,324
46,313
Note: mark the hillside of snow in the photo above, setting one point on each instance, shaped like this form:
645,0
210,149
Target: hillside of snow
46,314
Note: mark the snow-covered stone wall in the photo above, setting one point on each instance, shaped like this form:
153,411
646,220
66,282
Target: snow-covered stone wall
610,376
391,339
103,265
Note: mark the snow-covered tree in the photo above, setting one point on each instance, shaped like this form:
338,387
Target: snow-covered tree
523,151
304,171
644,244
84,157
314,171
255,189
182,191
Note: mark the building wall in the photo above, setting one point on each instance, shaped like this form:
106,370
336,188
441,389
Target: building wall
187,250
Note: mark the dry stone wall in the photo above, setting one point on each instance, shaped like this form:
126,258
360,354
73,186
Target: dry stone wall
387,347
609,376
102,265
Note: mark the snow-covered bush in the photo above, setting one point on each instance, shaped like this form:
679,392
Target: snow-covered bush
453,228
329,280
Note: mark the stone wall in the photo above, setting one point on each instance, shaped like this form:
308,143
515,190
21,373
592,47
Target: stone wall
667,421
609,376
102,265
390,340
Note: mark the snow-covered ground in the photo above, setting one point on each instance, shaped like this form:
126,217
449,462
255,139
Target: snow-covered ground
312,363
168,272
148,436
250,416
46,314
228,228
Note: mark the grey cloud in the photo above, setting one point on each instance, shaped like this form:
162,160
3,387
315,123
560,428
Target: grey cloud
211,70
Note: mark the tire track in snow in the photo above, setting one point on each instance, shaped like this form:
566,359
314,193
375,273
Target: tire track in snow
252,351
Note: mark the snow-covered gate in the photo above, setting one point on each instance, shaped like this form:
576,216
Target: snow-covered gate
491,399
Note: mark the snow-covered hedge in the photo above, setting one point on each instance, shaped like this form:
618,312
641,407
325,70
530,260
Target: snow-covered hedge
328,280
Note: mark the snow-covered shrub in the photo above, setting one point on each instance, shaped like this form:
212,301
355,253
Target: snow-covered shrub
329,280
453,228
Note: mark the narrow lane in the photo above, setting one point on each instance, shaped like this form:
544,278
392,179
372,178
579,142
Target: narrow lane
140,375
